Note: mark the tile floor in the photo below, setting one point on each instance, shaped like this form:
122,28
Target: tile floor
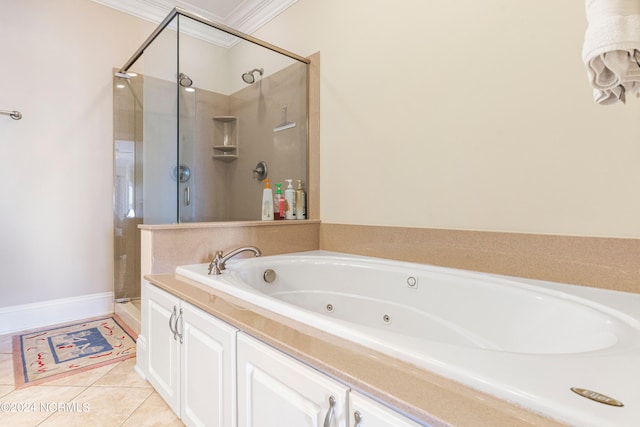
113,395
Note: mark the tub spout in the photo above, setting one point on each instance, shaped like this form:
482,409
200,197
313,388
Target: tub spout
219,261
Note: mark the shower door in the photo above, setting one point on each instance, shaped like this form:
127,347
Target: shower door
127,185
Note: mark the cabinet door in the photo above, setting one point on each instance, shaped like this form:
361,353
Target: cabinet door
366,412
208,370
163,349
275,390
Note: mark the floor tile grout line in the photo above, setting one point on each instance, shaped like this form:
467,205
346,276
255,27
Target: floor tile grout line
70,400
137,407
10,380
103,375
54,381
124,386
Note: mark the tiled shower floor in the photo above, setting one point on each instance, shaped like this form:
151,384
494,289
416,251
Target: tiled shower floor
113,395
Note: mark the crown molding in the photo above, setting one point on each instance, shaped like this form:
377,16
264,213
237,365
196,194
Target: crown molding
253,14
149,10
247,17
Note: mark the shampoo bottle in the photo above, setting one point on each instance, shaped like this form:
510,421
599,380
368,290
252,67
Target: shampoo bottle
300,202
290,201
278,203
267,202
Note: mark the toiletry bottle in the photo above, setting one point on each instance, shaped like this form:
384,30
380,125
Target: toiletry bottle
278,203
290,201
267,202
300,202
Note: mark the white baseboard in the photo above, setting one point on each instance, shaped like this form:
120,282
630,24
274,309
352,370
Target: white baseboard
30,316
142,367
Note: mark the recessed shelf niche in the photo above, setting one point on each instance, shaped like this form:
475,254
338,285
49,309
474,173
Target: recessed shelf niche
225,138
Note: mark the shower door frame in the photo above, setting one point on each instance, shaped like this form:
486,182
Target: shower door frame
182,12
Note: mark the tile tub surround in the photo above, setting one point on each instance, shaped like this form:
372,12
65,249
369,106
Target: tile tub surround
164,247
608,263
422,394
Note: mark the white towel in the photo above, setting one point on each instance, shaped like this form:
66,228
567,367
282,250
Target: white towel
611,50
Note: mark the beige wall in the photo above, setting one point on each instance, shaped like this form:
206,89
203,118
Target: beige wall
56,163
465,115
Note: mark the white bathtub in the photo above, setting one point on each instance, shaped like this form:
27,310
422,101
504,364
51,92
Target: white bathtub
528,342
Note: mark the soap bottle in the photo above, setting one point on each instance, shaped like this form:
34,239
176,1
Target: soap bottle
300,201
267,202
278,203
290,201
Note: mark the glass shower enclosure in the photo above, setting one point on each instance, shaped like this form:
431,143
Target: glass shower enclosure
201,114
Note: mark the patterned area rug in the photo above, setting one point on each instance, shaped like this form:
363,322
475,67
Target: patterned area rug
49,354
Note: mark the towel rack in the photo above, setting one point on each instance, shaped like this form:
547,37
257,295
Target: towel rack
15,115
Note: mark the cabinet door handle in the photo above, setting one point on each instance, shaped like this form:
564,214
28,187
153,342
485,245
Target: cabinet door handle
173,315
357,416
179,319
332,409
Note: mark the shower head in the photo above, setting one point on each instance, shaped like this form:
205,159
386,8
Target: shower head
249,78
185,81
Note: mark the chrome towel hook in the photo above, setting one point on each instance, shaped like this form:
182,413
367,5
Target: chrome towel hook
15,115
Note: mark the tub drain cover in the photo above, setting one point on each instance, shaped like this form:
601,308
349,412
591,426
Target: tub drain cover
597,397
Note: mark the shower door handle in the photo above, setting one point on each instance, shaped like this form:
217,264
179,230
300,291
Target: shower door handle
187,196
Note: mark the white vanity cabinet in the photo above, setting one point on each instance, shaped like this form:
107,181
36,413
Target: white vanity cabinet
191,360
197,362
275,390
366,412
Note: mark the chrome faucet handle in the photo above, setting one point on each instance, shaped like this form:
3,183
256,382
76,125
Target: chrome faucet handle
218,263
214,266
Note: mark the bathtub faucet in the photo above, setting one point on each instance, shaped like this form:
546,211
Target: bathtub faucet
218,262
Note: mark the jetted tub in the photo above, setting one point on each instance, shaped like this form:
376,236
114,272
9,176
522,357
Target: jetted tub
525,341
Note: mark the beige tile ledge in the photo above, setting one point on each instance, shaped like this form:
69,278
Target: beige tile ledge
423,394
227,224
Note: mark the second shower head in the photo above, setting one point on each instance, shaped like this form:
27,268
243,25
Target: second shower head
249,77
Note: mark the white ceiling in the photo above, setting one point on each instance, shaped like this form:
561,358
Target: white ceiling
242,15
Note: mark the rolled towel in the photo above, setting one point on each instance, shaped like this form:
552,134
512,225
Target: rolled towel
611,50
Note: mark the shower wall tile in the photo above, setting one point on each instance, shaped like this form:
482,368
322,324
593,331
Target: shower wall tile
211,178
229,191
259,110
609,263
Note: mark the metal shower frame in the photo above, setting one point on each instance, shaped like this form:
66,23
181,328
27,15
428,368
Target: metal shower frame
179,11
